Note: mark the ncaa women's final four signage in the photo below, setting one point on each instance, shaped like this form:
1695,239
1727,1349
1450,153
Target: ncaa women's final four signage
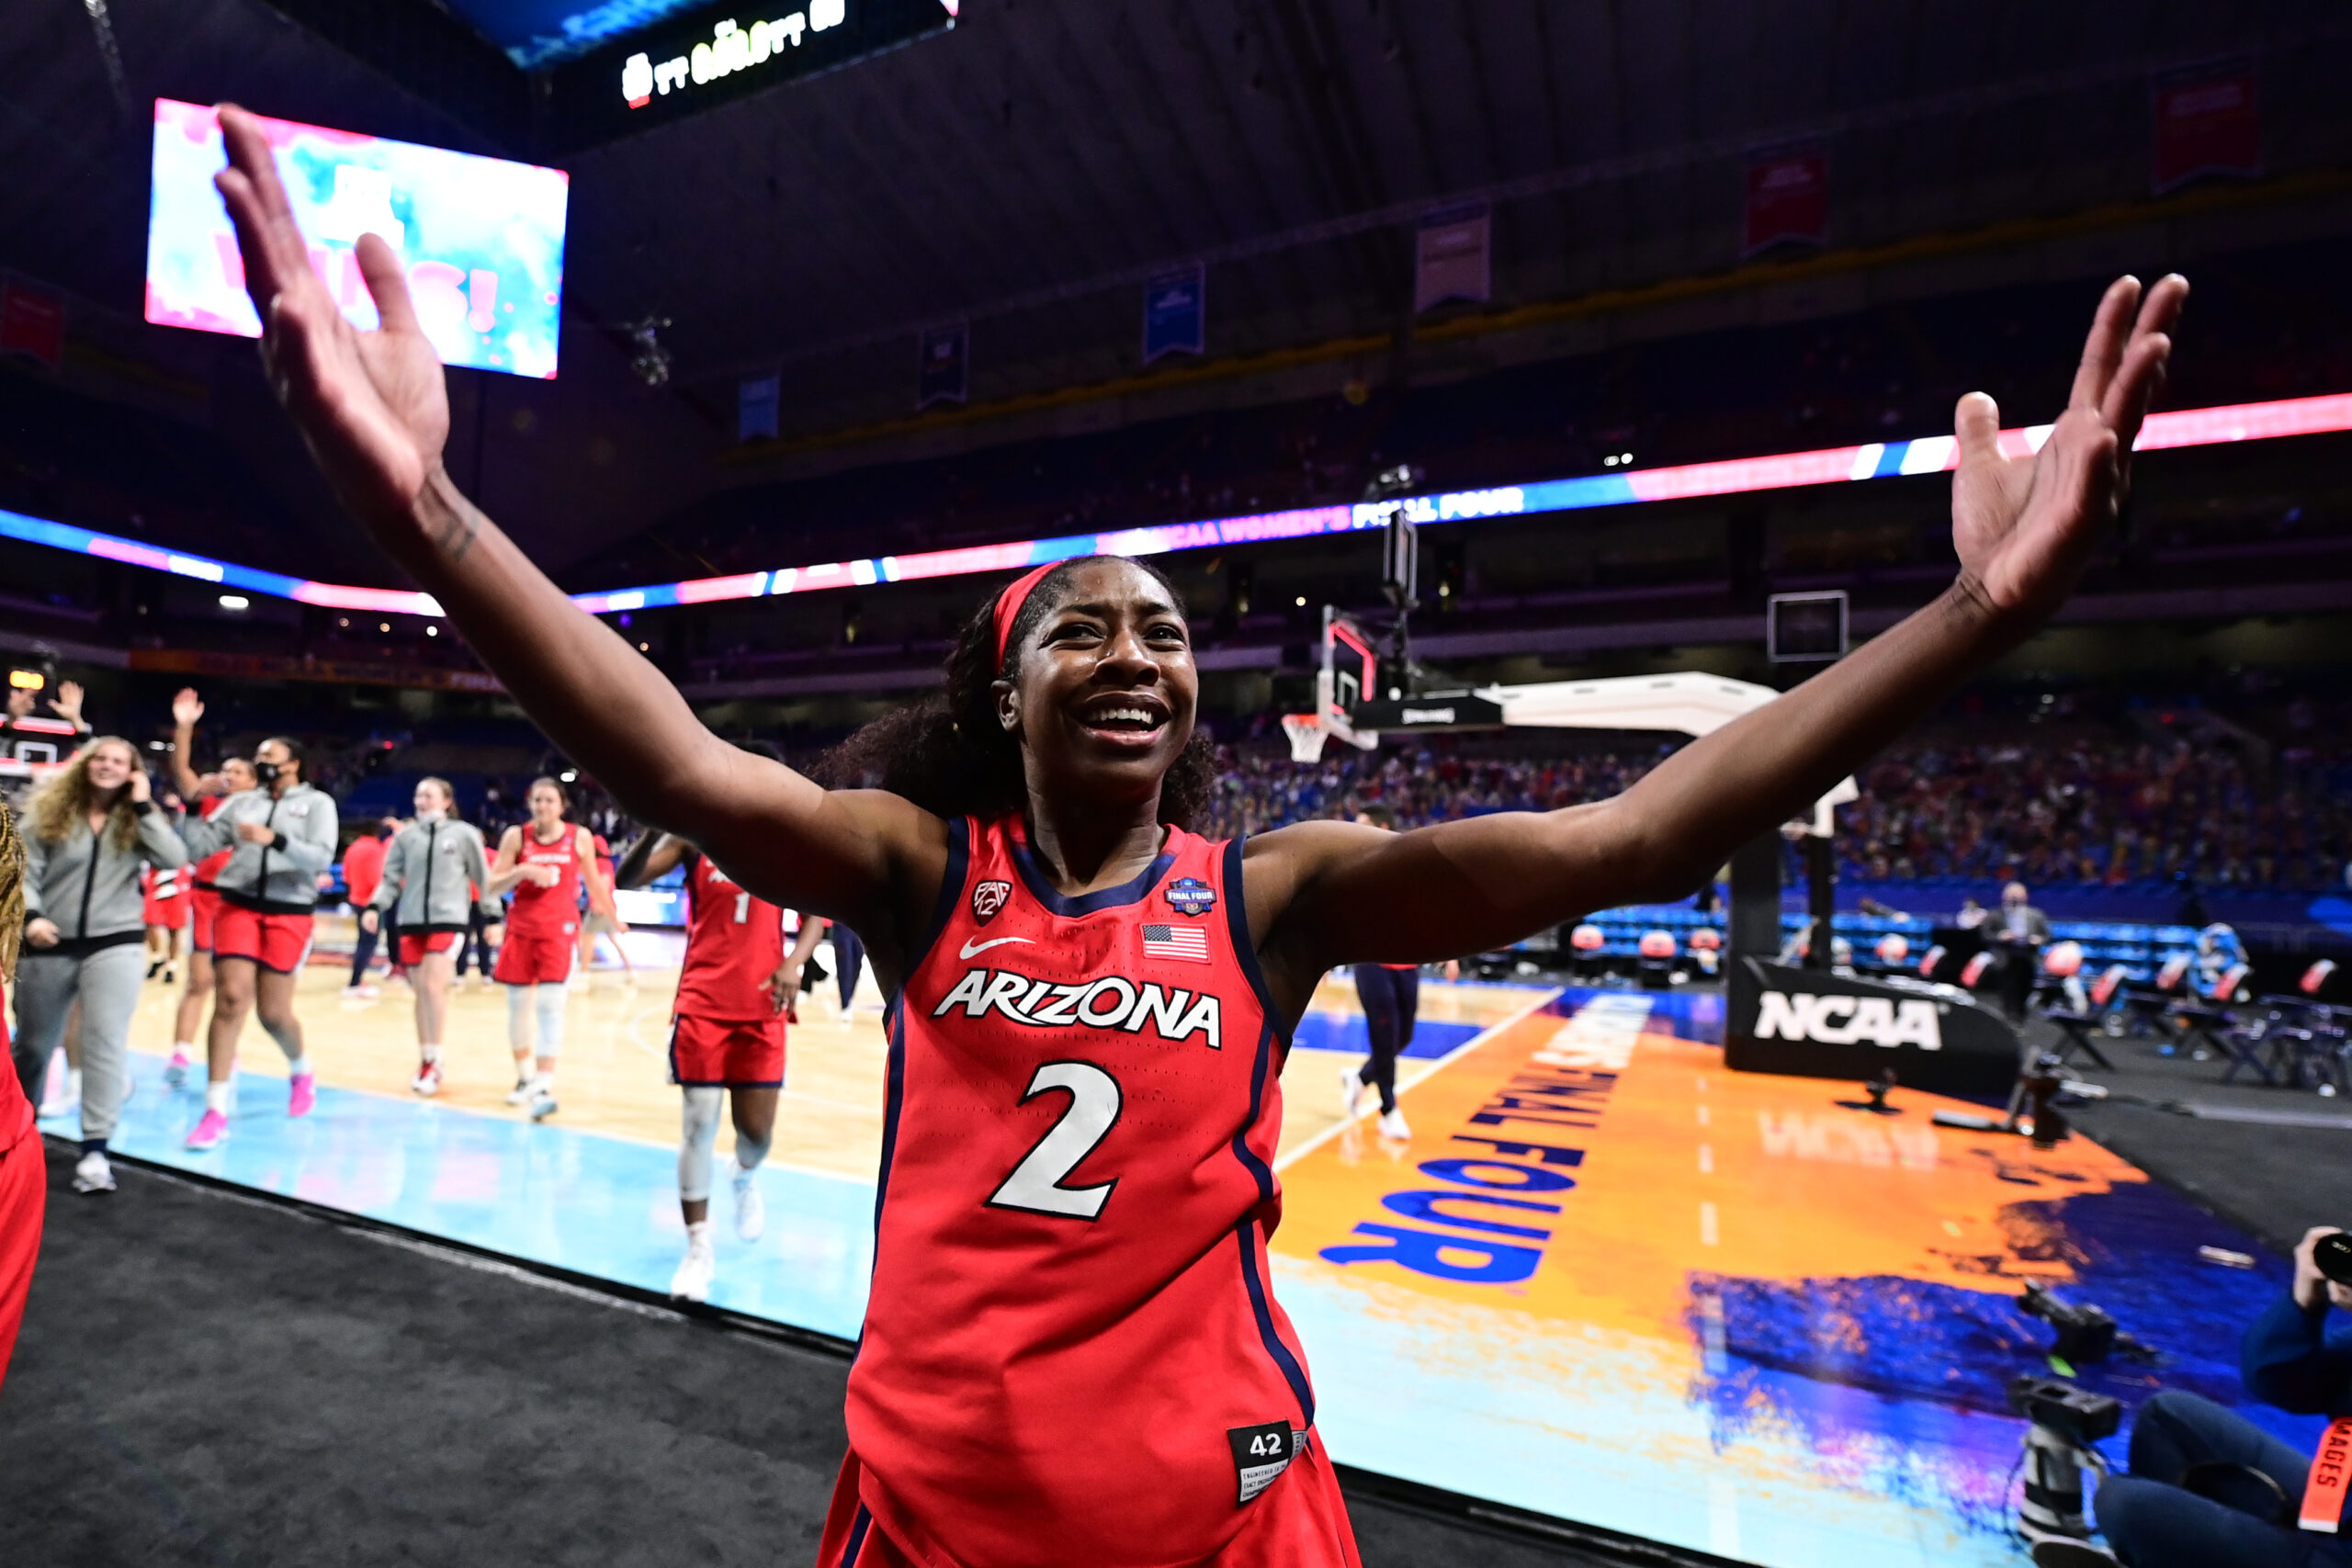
1819,1024
715,53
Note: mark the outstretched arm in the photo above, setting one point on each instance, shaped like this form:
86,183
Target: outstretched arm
186,708
374,410
653,856
1325,891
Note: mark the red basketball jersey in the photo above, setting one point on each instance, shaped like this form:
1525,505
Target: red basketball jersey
204,871
547,911
1071,1355
734,942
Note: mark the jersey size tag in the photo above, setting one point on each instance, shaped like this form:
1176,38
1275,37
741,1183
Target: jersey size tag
1261,1453
1190,896
988,898
2323,1510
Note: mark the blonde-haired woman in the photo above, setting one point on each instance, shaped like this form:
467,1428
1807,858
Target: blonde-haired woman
23,1177
90,831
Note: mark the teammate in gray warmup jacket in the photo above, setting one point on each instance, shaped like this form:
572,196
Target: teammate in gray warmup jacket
282,835
437,872
89,831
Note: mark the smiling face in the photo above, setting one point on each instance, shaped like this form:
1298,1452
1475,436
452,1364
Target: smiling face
430,797
110,765
1105,691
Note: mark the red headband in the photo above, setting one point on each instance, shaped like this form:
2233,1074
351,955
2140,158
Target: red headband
1008,605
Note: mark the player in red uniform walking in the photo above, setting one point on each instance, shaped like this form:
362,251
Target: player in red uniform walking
204,794
727,1036
1071,1353
546,862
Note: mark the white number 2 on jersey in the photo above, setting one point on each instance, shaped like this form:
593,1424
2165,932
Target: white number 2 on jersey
1036,1182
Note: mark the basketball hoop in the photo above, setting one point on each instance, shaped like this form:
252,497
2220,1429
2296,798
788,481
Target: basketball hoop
1305,732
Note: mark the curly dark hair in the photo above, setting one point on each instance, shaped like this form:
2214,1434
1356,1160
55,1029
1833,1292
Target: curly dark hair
949,755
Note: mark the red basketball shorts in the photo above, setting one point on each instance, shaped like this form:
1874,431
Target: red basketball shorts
169,913
1301,1521
706,1052
274,941
528,958
24,1195
415,948
203,909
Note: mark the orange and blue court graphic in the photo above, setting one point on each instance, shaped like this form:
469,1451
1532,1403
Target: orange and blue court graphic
1605,1280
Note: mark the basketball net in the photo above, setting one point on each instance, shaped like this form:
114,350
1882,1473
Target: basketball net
1305,732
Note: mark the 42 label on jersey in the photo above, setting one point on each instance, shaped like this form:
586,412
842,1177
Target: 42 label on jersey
1112,1002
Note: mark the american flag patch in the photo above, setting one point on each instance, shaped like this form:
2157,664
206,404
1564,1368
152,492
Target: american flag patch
1190,944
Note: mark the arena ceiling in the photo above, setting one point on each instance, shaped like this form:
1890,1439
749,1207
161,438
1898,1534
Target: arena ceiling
1027,169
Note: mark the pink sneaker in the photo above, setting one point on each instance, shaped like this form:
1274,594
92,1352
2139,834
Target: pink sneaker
303,1094
209,1131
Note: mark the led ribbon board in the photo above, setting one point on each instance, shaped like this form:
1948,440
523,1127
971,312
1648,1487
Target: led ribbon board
1836,465
685,64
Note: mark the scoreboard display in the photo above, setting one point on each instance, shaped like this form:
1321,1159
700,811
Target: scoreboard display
699,59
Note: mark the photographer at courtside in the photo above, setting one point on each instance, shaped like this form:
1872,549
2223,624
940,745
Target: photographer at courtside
2208,1487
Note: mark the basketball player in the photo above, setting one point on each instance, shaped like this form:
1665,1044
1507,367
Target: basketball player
162,896
281,835
203,793
727,1037
1390,995
1071,1355
433,881
597,920
546,862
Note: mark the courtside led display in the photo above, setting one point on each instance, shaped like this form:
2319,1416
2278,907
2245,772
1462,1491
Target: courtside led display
480,238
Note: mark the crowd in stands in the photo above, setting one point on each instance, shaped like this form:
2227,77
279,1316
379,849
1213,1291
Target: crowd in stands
2093,810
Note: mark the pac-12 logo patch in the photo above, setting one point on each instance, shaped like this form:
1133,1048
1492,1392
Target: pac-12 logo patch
988,898
1190,896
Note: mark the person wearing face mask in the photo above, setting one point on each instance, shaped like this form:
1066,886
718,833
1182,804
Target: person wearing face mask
92,831
283,834
431,875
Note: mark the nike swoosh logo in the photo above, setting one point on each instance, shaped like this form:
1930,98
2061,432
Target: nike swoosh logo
972,949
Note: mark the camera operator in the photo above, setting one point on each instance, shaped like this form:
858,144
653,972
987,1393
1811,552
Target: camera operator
2208,1487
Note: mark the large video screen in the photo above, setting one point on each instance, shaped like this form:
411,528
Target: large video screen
482,239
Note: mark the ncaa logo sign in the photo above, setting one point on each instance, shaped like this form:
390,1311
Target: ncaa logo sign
1849,1021
988,898
1190,896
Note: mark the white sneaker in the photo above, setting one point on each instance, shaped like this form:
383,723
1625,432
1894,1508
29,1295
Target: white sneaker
522,1091
92,1174
1351,1092
542,1101
1392,1125
751,1209
427,1081
691,1281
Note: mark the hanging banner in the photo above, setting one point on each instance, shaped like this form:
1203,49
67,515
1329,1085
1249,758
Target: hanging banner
2208,122
1452,256
755,402
1788,196
32,321
946,352
1175,313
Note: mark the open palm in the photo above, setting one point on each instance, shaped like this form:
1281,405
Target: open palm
372,406
2024,526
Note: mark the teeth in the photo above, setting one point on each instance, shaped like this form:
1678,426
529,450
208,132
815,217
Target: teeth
1124,716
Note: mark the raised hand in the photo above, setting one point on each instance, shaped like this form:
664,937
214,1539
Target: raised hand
372,406
67,703
186,708
2023,526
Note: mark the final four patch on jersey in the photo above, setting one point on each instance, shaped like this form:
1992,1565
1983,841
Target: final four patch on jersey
988,898
1190,896
1261,1453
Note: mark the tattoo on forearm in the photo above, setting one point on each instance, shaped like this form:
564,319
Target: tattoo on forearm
455,535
